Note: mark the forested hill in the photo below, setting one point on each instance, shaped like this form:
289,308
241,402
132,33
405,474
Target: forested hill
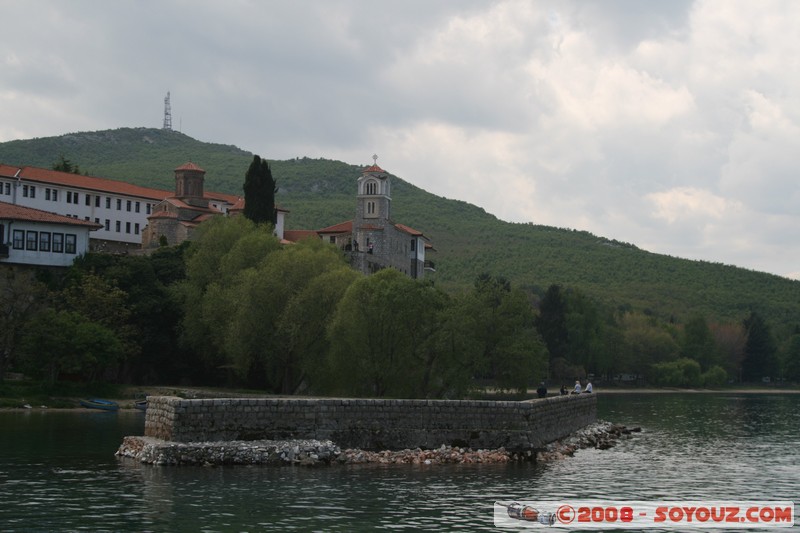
468,240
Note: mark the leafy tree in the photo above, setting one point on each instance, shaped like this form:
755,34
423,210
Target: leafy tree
645,343
391,336
791,360
259,192
760,351
21,296
370,346
511,351
265,330
129,295
223,248
683,372
715,376
459,356
304,323
590,334
698,342
552,322
65,165
730,340
59,342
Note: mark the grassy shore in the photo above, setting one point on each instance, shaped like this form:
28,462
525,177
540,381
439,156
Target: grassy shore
63,395
36,395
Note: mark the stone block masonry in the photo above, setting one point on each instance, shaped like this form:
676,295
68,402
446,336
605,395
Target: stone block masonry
373,424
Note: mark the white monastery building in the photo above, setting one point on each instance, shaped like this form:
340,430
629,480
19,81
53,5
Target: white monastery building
120,209
35,237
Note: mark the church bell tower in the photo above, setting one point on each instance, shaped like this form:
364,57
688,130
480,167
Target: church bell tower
374,201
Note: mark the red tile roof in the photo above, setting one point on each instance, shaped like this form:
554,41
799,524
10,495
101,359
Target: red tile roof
78,181
177,202
373,168
342,227
29,214
410,231
87,182
190,166
6,170
221,196
297,235
238,205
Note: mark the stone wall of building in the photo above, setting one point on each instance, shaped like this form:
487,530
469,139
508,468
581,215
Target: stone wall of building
373,424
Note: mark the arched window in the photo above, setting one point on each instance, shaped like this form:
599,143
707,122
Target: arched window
371,188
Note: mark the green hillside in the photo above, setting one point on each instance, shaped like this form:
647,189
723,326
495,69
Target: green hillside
468,240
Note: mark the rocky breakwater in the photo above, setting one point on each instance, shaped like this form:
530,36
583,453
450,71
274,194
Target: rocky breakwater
601,435
263,452
309,452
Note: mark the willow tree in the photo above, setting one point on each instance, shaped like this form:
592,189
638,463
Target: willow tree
383,337
222,249
259,193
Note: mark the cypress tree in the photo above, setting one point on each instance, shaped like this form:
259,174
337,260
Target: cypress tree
259,193
760,358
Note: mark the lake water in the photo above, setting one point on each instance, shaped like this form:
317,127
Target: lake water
58,472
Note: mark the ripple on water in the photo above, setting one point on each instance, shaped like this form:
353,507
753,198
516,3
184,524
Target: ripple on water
727,448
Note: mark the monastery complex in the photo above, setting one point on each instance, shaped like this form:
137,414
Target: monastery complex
49,217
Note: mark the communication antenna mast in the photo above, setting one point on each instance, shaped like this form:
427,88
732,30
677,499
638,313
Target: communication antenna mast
167,114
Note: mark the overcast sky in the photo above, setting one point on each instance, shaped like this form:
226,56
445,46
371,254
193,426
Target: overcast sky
672,125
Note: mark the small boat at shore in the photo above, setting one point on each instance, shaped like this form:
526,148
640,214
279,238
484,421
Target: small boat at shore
98,403
140,405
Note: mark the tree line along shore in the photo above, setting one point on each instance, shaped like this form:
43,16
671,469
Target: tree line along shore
237,309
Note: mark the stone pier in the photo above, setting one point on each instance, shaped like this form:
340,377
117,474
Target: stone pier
372,424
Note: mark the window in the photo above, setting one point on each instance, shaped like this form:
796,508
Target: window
70,241
74,198
55,195
119,226
148,207
413,244
97,200
58,243
119,204
19,239
8,189
108,202
44,241
370,208
86,218
137,206
25,191
47,193
108,225
127,227
69,197
32,240
88,199
128,206
136,228
372,187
